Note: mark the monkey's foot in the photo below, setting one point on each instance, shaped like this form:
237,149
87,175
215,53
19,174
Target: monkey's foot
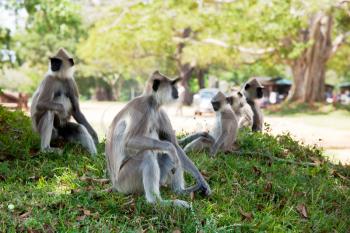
182,204
52,150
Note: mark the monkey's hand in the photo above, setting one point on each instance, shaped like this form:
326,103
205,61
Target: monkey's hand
60,109
173,155
204,189
94,137
212,152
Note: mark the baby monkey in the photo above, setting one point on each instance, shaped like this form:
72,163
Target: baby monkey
242,110
224,134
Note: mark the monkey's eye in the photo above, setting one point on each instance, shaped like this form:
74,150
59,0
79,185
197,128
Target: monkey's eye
55,64
216,105
71,61
259,92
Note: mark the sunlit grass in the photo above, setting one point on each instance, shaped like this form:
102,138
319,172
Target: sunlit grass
251,193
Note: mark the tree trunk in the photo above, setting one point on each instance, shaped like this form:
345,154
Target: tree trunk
316,57
298,69
200,77
310,67
186,74
186,69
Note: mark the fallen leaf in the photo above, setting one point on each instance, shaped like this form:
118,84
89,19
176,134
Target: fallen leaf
246,215
285,152
108,190
75,191
192,196
301,208
337,174
25,215
87,212
81,218
315,160
48,228
177,231
2,177
90,179
33,178
256,170
260,207
268,187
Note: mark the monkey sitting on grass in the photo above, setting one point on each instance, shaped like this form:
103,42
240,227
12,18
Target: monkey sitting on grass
224,134
55,101
142,151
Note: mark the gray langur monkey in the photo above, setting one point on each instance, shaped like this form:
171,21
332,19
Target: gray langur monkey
253,90
224,134
142,151
55,101
242,110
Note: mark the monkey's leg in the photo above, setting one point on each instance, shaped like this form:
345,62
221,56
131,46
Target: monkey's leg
78,133
199,144
166,166
142,173
188,139
45,128
173,175
170,173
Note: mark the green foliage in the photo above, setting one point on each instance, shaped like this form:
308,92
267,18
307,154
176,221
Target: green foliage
251,193
51,24
17,139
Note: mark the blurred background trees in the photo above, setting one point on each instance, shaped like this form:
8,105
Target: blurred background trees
119,43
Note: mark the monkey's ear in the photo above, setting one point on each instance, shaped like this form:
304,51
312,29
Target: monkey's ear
247,86
240,94
71,61
176,80
55,63
155,85
229,100
156,73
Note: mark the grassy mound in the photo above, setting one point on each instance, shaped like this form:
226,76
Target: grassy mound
252,191
17,139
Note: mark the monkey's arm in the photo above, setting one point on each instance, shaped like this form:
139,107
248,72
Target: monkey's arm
184,141
167,134
45,97
217,145
77,114
146,143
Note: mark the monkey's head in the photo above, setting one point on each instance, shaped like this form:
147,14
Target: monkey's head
62,64
238,100
219,101
253,89
162,88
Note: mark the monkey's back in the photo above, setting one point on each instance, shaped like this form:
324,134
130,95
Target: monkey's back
132,120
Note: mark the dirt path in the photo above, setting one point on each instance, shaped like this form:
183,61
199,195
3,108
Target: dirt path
331,132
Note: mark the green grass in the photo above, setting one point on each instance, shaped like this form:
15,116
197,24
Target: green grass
297,109
251,193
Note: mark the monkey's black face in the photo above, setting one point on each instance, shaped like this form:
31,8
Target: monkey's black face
56,64
259,92
216,105
174,92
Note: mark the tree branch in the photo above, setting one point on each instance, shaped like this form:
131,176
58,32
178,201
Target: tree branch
338,41
253,51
